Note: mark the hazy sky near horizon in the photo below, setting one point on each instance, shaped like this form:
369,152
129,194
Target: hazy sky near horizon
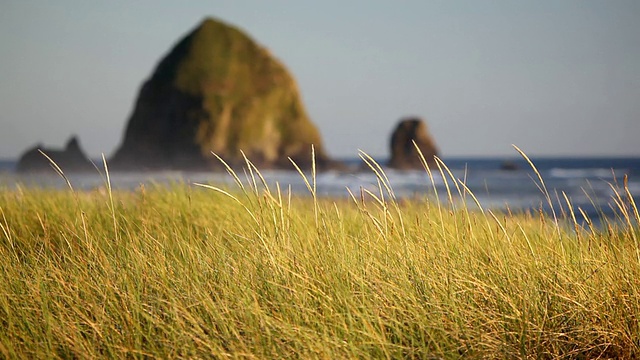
556,78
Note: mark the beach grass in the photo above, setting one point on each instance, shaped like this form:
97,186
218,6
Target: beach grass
198,271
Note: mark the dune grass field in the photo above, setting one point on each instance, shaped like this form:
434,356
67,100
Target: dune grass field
197,271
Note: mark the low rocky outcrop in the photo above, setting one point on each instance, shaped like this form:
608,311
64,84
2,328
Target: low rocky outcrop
218,91
69,159
403,151
509,165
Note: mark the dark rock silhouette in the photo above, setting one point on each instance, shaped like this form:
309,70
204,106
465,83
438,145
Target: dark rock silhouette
509,165
70,159
403,152
218,91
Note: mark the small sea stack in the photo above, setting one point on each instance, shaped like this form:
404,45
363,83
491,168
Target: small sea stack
404,154
69,159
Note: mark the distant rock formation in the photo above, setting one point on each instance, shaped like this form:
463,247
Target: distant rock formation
217,90
70,159
403,152
509,165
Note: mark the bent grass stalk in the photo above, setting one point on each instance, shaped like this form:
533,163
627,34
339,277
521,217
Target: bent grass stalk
310,186
426,167
542,185
383,181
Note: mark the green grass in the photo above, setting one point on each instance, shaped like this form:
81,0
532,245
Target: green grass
201,272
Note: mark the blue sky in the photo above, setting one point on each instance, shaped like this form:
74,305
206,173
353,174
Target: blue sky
555,78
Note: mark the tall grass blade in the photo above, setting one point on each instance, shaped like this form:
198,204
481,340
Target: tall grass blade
110,192
57,169
310,187
425,165
230,171
542,184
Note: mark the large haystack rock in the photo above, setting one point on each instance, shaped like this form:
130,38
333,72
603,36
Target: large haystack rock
69,159
403,152
217,90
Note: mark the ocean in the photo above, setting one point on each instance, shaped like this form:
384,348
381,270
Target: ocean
497,183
